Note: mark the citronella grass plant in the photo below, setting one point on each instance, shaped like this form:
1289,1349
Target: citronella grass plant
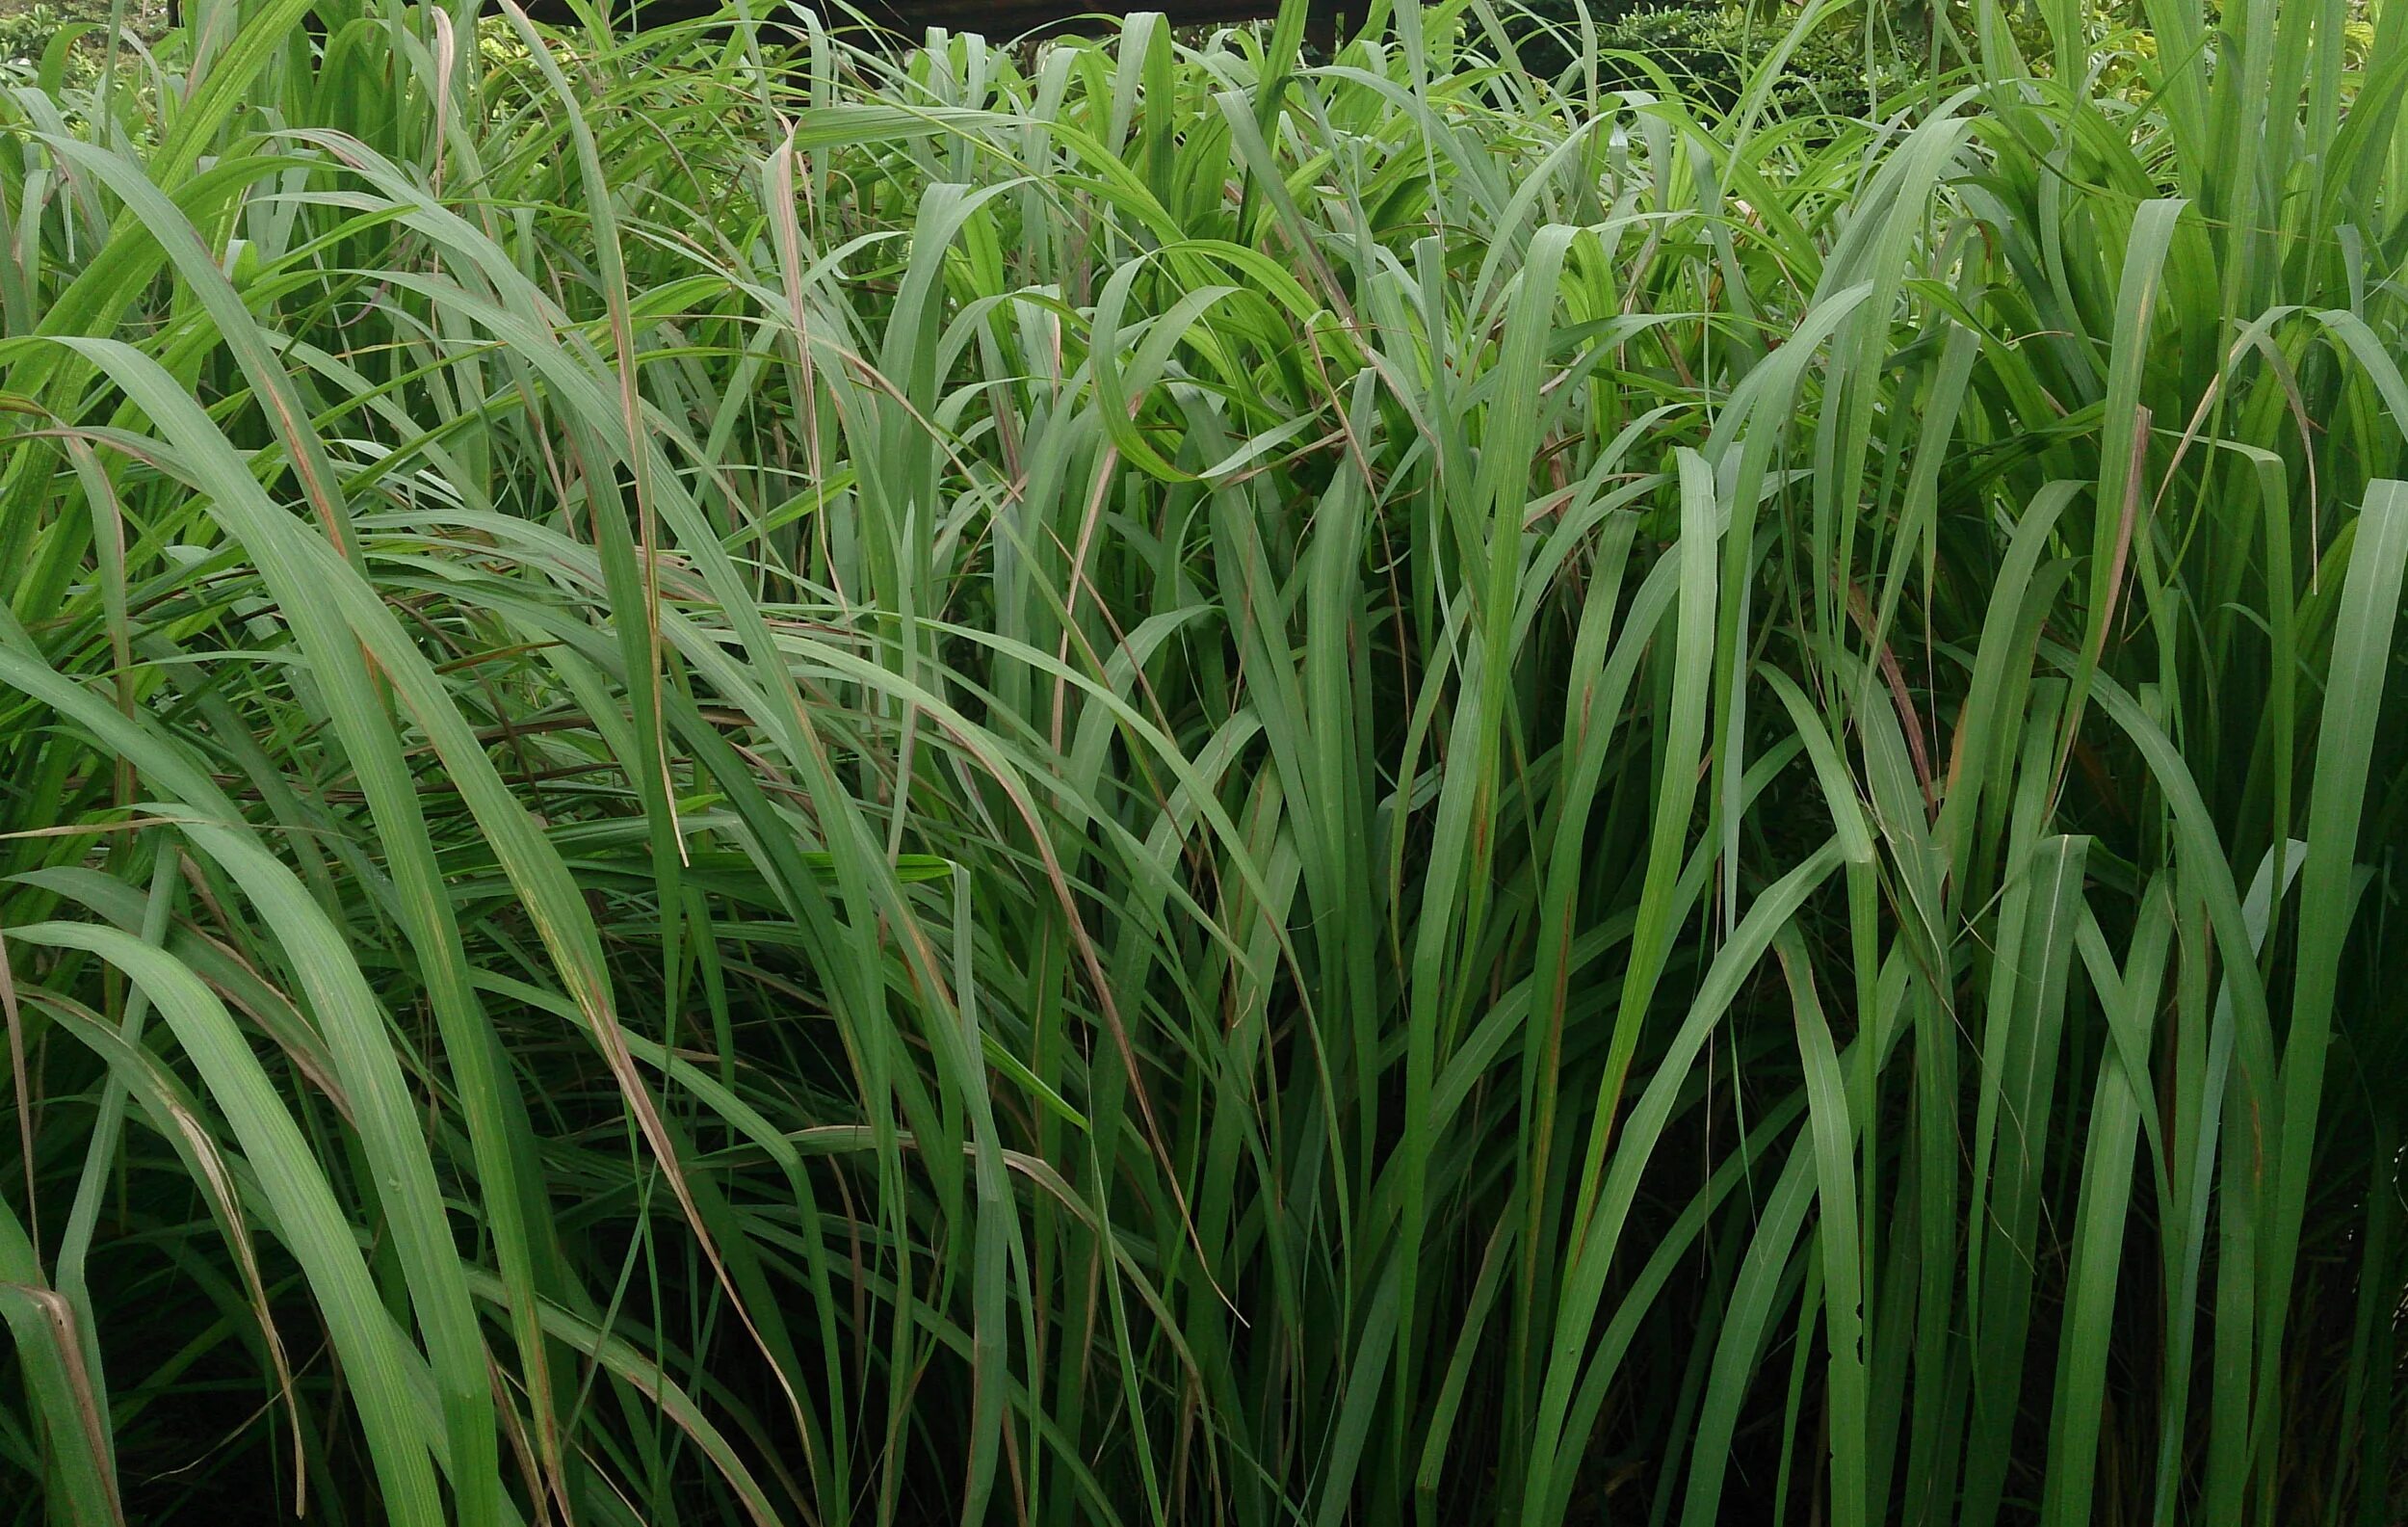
746,781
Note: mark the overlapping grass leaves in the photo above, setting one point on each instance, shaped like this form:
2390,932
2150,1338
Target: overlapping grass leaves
1141,781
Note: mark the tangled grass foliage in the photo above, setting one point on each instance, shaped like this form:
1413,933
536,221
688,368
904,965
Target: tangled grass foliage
745,780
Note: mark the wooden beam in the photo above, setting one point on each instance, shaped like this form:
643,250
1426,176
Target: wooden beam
996,19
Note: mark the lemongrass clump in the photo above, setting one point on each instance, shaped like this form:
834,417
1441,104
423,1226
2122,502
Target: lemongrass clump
1138,781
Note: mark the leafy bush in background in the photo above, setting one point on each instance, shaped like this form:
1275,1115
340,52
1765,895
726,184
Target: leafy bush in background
1708,52
25,39
70,40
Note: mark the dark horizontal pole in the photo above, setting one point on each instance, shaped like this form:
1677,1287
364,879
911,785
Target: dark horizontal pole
997,19
994,18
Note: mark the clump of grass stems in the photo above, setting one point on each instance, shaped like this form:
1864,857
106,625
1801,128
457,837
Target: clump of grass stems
749,780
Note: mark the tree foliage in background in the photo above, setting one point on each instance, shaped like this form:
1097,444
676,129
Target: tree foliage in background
743,780
1708,53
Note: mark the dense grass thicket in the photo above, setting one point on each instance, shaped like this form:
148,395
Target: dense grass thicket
1137,782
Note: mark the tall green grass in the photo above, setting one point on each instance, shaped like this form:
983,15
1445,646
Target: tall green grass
743,780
